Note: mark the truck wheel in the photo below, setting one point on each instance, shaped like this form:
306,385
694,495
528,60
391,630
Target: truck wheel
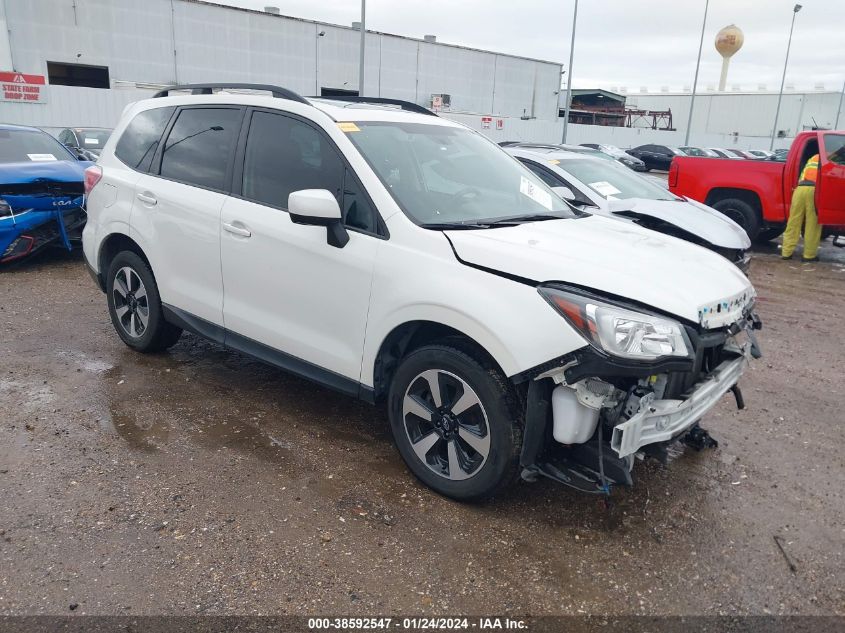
135,305
455,422
742,213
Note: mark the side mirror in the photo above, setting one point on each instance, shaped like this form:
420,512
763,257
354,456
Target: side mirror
565,193
319,207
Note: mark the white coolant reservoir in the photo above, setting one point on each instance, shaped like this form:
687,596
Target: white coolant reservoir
574,423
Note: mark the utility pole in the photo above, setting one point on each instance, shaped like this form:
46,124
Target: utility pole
363,43
569,74
695,80
795,11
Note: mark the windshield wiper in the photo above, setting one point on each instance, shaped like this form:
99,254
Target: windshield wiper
515,220
452,226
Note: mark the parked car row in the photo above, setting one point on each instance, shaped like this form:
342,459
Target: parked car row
511,327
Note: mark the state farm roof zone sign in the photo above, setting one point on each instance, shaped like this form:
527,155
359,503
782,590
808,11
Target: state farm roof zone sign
20,87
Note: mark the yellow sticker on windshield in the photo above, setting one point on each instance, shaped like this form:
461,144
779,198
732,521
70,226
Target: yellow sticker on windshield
554,161
348,126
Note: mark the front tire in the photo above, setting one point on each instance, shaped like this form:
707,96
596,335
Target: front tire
135,305
455,422
742,213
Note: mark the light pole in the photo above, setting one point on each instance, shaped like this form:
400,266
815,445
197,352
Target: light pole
363,41
795,11
695,80
569,75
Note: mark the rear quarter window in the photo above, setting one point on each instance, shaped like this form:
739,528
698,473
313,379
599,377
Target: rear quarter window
140,139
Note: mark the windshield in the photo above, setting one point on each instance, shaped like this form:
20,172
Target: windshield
21,146
613,181
676,151
444,175
92,138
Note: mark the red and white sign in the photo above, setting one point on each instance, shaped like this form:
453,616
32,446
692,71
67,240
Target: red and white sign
23,88
486,121
500,124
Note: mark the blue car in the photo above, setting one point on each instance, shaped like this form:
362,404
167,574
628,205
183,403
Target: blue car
41,193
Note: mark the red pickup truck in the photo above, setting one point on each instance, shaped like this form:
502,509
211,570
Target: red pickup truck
756,193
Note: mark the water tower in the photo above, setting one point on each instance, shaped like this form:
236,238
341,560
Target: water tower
728,41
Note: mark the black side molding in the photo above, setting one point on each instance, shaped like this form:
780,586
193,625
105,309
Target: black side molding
267,354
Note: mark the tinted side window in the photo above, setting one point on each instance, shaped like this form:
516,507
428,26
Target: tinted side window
139,141
64,137
285,155
199,146
834,146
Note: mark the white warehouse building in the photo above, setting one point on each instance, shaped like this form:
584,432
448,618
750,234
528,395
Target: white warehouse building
95,56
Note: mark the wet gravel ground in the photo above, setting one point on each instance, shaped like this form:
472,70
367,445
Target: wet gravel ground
200,481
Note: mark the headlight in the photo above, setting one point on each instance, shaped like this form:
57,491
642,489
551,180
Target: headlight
5,209
617,331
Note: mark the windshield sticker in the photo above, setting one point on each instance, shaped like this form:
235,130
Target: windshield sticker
348,126
554,161
529,189
604,188
41,157
91,141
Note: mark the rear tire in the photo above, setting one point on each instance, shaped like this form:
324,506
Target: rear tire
742,213
135,305
464,440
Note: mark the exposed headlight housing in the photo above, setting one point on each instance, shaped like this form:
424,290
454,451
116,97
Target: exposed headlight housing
5,209
618,331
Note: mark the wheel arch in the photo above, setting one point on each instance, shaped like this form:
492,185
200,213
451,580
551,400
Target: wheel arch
113,244
749,196
411,335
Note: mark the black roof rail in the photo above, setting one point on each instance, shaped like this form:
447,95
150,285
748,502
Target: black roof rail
206,89
404,105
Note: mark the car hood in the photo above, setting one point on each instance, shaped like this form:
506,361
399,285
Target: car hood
688,215
612,257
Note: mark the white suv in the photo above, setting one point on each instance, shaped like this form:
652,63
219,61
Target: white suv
402,258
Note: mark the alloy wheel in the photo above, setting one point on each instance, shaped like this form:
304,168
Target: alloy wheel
446,424
131,304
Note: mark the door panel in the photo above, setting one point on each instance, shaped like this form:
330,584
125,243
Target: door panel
180,232
287,288
177,212
284,285
830,187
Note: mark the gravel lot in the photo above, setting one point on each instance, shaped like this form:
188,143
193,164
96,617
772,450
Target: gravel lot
200,481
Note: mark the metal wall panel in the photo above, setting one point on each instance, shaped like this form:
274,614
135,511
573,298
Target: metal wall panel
181,41
464,74
134,39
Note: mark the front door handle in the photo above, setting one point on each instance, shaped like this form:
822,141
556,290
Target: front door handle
147,198
237,230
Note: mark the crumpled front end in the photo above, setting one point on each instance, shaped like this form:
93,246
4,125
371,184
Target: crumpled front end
22,234
38,212
592,414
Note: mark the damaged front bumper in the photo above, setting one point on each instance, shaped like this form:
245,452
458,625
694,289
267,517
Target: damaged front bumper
24,233
589,417
663,420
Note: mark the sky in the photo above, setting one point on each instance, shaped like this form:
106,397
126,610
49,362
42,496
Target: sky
631,43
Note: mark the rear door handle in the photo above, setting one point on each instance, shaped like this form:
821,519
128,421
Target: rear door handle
237,230
147,198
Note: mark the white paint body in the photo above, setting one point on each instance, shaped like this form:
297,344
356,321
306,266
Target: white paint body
285,287
688,215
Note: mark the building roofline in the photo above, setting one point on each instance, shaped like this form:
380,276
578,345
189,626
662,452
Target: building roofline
219,4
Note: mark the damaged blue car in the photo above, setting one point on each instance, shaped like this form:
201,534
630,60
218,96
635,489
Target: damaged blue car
41,193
